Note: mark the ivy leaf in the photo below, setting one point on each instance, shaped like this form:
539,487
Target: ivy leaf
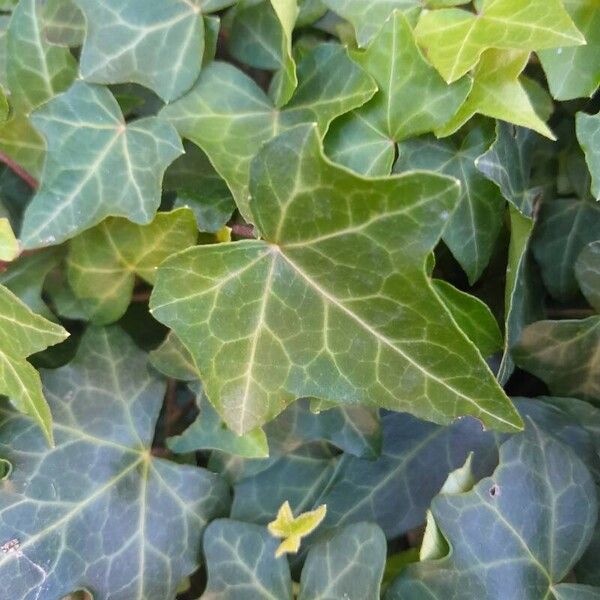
148,513
252,379
158,46
523,298
23,333
455,39
64,23
36,70
9,246
508,163
418,102
474,226
574,72
240,561
368,17
565,227
292,529
562,505
231,130
497,92
553,351
103,262
472,316
588,129
285,80
97,165
587,272
20,141
347,565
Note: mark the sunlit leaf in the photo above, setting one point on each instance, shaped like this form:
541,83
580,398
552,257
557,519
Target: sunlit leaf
292,529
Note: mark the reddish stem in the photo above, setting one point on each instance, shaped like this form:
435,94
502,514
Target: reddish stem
17,169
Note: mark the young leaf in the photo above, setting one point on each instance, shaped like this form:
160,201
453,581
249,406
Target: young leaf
292,529
147,514
530,549
573,72
9,246
382,310
158,45
416,103
473,228
565,355
232,128
497,92
285,80
367,17
97,165
587,272
23,333
103,262
455,39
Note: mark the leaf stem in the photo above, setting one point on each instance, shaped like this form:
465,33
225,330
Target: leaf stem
17,169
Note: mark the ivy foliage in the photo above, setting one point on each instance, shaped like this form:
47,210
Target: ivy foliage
299,299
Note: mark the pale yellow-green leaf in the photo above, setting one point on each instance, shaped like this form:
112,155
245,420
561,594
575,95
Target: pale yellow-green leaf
9,246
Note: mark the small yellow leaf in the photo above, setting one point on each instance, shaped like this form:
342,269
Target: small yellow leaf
293,529
9,246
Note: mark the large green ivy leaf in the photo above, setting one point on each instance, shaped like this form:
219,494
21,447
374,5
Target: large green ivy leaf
232,128
565,355
573,72
497,92
241,563
587,271
474,226
455,39
97,165
416,102
325,292
367,16
36,70
158,45
588,134
103,262
538,508
565,227
23,333
143,516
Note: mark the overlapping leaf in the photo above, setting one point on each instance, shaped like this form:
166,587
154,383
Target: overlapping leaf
232,128
588,134
23,333
532,548
103,262
412,99
474,226
326,291
587,271
143,516
455,38
564,354
97,165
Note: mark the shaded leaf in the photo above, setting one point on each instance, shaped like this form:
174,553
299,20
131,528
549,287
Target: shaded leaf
97,165
312,314
23,333
532,549
587,272
455,39
64,23
414,103
564,228
498,93
231,129
292,529
588,132
284,82
573,72
103,262
348,565
173,359
474,226
563,354
147,514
